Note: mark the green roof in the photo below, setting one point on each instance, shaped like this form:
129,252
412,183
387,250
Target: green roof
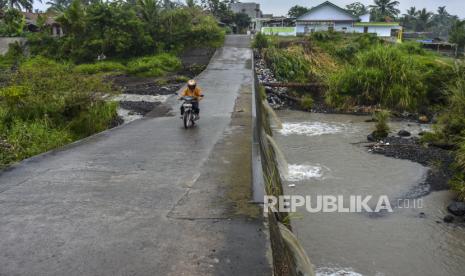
380,24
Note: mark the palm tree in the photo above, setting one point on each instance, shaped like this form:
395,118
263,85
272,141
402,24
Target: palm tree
58,5
409,19
423,19
21,4
384,8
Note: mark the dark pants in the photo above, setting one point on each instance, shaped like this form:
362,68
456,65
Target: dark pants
195,108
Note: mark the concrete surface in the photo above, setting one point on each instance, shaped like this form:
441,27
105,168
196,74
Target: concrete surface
6,41
148,198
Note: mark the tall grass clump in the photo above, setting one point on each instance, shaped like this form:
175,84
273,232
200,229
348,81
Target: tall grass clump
381,128
260,42
288,65
450,128
47,105
388,76
154,66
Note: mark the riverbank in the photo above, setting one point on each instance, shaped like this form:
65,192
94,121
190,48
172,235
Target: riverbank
286,98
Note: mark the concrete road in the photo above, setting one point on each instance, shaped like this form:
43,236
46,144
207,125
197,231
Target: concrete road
147,198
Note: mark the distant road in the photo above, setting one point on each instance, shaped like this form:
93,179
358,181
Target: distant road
147,198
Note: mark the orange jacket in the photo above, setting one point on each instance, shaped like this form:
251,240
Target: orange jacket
196,93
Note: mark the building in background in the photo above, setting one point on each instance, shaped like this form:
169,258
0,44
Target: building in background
251,9
330,17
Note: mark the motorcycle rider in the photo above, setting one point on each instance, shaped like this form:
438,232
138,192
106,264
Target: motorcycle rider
192,90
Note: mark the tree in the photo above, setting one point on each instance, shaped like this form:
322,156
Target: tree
457,33
149,12
242,21
13,23
409,19
190,3
383,9
442,22
297,11
58,5
423,20
357,9
21,4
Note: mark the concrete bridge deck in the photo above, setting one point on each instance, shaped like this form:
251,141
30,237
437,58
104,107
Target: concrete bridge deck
147,198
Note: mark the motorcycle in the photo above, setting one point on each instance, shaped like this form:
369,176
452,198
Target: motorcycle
189,117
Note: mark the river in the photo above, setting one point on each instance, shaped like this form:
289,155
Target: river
327,156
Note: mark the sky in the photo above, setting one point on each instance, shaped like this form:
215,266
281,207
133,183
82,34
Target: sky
281,7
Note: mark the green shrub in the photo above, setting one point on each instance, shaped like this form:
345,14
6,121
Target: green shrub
306,102
260,42
381,128
413,48
28,138
47,105
154,66
288,65
100,67
386,75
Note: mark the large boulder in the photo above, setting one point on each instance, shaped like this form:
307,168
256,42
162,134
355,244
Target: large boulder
457,208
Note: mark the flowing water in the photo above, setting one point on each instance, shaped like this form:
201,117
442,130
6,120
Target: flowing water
327,156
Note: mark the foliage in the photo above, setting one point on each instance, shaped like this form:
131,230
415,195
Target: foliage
12,24
110,28
450,127
260,41
120,30
154,66
100,67
457,34
357,8
383,10
381,128
288,65
47,105
389,76
297,11
20,4
306,102
189,28
242,21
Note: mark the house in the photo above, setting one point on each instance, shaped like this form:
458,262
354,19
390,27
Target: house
330,17
32,23
251,9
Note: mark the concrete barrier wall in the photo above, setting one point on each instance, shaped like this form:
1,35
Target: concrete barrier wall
6,41
267,180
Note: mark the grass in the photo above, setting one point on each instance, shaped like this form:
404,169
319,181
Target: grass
381,128
153,66
306,102
100,67
46,105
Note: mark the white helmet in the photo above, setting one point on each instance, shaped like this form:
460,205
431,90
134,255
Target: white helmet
191,84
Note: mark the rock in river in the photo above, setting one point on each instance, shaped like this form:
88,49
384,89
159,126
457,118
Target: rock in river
404,133
457,208
448,219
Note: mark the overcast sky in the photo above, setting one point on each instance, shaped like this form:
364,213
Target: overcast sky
281,7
